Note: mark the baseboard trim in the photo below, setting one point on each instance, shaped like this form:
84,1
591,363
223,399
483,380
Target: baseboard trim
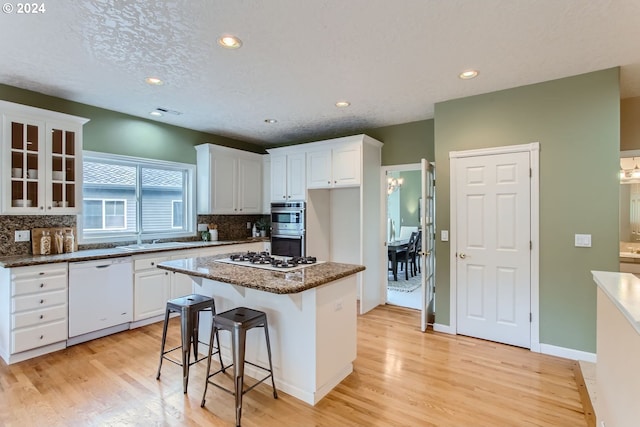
445,329
567,353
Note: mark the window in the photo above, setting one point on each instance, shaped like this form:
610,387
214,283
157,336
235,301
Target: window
126,197
104,214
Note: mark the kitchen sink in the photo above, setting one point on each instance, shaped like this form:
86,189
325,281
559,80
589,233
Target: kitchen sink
161,245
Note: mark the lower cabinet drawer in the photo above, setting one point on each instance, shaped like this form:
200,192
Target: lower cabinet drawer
36,301
39,317
38,336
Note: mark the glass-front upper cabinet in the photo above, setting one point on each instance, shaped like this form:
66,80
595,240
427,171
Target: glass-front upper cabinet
42,161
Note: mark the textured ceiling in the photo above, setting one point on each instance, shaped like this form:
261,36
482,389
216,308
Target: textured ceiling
391,59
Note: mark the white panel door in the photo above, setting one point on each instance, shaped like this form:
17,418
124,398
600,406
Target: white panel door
493,248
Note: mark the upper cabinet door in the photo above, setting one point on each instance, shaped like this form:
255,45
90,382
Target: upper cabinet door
296,177
347,161
250,186
319,169
64,168
278,178
225,184
23,165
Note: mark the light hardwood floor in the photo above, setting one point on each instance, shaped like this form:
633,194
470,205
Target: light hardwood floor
402,377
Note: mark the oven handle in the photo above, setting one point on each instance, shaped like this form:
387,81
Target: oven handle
287,236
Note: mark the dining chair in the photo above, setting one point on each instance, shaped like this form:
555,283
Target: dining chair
404,257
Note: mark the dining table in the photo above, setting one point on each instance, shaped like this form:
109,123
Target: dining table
395,247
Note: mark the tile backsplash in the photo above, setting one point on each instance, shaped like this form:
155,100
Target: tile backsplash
230,227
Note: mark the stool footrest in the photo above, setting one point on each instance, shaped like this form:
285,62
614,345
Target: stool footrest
231,392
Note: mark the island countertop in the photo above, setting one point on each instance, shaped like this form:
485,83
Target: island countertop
623,289
277,282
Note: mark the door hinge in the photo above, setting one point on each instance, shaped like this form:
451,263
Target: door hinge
434,182
530,317
530,172
530,245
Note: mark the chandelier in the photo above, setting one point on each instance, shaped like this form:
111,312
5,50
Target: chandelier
393,184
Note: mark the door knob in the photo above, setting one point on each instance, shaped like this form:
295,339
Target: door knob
462,256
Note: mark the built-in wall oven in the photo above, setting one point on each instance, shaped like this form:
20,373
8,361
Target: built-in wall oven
288,228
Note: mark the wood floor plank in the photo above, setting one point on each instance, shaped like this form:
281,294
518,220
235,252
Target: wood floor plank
402,377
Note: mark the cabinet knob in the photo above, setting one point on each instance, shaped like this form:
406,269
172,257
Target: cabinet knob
284,197
42,285
42,316
153,263
166,273
49,207
335,182
41,208
41,337
41,301
328,182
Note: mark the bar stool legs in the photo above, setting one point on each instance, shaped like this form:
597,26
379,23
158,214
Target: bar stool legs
189,308
238,321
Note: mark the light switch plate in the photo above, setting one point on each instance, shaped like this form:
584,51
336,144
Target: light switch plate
23,235
444,235
202,227
583,240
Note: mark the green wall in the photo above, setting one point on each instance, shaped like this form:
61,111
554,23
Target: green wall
577,122
406,143
117,133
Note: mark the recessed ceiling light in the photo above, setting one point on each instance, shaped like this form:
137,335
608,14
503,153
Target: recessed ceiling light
153,81
229,42
156,114
468,74
270,121
342,104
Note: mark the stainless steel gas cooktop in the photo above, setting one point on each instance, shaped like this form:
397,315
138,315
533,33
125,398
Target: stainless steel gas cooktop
269,262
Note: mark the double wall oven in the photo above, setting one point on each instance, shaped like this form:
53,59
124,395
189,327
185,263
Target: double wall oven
288,228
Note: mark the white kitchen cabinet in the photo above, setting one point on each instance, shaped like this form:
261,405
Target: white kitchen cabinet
33,307
229,181
151,286
334,165
41,161
288,175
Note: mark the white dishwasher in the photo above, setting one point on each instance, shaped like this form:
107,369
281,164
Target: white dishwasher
100,298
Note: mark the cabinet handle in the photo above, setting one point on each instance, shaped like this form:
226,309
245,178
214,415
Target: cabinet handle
42,285
41,301
41,273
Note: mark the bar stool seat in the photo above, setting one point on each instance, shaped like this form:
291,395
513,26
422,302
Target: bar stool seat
238,321
189,307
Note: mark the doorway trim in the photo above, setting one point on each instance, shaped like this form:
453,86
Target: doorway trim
534,155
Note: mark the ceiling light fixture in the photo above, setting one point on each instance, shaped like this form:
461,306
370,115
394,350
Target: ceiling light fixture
154,81
342,104
468,74
229,42
270,121
155,114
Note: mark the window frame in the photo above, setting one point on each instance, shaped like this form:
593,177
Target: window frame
189,211
173,203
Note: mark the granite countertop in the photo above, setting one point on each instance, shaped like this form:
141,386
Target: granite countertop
277,282
96,254
623,289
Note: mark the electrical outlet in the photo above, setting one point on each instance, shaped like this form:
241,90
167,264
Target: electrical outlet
202,227
248,226
23,235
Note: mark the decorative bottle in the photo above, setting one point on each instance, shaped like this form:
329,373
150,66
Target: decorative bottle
69,242
45,243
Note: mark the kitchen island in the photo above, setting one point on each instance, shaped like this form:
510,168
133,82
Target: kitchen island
311,312
618,349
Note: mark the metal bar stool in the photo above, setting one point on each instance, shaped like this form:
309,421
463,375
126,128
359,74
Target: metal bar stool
238,321
189,307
